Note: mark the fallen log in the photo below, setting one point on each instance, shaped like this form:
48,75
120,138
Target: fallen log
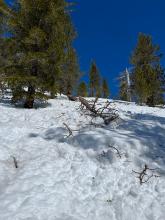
72,98
107,113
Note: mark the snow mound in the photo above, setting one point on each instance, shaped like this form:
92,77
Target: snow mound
81,177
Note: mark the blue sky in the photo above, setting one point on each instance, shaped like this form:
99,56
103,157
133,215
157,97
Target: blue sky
108,31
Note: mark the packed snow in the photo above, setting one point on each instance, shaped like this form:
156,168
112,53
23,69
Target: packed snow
81,177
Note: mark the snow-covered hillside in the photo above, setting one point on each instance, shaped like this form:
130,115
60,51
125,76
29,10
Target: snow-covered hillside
81,177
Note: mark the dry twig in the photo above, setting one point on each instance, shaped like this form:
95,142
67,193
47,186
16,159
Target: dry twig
143,176
15,162
69,130
118,153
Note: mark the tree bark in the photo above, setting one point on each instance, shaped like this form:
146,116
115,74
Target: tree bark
29,103
72,98
150,101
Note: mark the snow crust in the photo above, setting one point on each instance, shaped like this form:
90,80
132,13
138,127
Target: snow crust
80,177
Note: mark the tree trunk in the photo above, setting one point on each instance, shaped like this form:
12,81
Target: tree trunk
92,92
72,98
150,101
30,98
52,95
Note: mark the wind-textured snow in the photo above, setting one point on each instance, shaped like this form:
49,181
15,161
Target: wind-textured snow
81,177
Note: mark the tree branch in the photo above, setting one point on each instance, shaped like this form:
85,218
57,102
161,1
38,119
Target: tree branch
141,175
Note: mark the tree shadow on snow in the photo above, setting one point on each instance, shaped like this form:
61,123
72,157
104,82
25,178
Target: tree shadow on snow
149,130
6,102
145,129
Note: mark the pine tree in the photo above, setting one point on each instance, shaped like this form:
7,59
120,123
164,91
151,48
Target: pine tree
94,81
71,73
148,75
105,89
82,89
3,55
42,35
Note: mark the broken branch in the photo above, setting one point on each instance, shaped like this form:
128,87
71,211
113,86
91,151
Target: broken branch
118,153
15,162
141,175
69,130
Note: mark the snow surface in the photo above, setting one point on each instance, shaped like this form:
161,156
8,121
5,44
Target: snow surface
80,177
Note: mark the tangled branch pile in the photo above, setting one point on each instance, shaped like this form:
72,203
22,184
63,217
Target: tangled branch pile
106,112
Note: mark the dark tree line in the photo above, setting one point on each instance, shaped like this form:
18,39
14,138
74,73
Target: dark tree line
97,86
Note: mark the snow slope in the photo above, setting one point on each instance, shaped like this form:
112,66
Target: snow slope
80,177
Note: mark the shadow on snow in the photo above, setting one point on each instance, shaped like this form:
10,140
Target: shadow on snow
144,129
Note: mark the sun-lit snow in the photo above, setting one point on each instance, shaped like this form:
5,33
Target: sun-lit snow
80,177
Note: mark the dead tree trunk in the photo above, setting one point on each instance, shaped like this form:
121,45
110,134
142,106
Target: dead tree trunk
87,105
106,112
72,98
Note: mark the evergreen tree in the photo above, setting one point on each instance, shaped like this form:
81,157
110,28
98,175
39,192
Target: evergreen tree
105,89
3,54
148,75
71,73
82,89
41,35
94,81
